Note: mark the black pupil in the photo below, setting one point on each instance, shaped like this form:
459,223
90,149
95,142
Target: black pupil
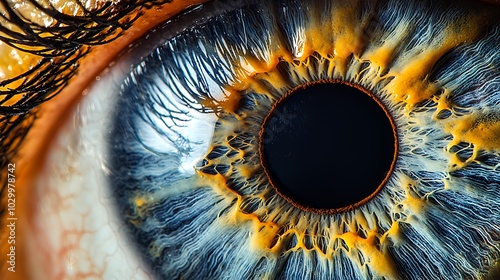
327,146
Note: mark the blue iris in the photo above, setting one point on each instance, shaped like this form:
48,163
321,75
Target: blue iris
183,152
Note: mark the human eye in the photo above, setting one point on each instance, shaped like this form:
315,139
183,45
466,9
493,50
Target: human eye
184,146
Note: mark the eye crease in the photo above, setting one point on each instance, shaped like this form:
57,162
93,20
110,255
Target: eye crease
466,137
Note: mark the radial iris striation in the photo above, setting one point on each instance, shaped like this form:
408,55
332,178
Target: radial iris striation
184,153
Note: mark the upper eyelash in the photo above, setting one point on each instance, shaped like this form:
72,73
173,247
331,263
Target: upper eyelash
60,48
62,44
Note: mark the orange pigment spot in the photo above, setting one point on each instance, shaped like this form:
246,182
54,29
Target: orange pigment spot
411,84
481,131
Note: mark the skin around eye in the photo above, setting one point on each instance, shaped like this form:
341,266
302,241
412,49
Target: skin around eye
34,149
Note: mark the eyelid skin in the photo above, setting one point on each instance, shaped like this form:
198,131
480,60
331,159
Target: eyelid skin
34,149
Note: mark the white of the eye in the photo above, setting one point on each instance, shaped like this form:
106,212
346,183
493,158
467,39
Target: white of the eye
76,234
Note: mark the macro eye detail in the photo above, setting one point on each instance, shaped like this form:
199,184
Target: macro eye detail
185,155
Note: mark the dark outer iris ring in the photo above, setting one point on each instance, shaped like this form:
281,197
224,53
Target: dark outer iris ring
332,210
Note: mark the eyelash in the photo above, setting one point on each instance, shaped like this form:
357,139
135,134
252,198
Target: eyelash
59,47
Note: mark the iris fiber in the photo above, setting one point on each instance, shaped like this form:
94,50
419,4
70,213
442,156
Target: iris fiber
185,166
310,115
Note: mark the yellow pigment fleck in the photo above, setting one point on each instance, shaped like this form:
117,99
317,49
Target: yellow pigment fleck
263,232
412,203
443,101
393,233
483,133
316,41
217,182
348,30
477,129
415,204
410,83
381,57
246,171
379,261
263,235
139,201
